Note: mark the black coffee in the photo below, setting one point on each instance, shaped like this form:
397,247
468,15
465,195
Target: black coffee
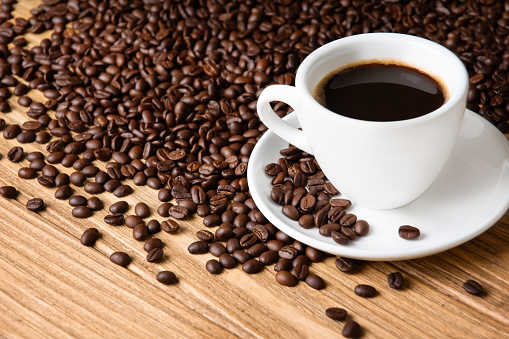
380,92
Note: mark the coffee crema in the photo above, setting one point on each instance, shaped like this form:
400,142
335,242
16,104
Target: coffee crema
379,90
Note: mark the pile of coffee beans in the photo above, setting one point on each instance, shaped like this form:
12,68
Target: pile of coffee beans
302,189
163,94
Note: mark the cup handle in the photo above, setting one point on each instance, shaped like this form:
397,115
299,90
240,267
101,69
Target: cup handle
289,95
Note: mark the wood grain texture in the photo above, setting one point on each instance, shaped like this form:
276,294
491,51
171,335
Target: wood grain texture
53,287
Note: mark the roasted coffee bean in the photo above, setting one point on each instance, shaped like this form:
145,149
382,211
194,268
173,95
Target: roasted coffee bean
351,329
272,169
167,278
142,210
95,204
93,188
155,255
301,271
291,212
345,265
140,232
9,192
122,191
120,258
119,207
473,287
269,257
348,233
315,281
336,313
339,237
361,227
365,291
288,252
327,229
307,203
198,247
133,220
252,266
216,249
286,278
90,236
27,173
11,131
150,244
81,212
78,200
63,192
306,221
170,226
114,219
214,266
283,265
409,232
153,226
227,261
256,250
35,205
348,220
241,256
77,178
343,203
395,280
15,154
261,232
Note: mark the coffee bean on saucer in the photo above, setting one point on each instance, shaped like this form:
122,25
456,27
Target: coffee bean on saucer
409,232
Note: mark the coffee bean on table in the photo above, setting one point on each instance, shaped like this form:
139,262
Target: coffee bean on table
78,200
81,212
142,210
351,329
152,243
365,291
140,232
119,207
63,192
35,205
205,235
227,261
395,280
286,278
95,204
315,281
252,266
336,313
170,226
114,219
15,154
214,266
409,232
120,258
345,265
198,247
90,236
473,287
167,278
9,192
155,255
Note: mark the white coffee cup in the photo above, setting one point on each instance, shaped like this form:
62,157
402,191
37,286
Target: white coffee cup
378,165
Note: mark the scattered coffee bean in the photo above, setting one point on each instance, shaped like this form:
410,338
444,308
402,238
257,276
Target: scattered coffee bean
214,266
114,219
473,287
286,278
395,280
142,210
345,265
198,247
9,192
336,313
15,154
90,236
351,329
95,204
155,255
119,207
315,281
252,266
35,205
409,232
152,243
170,226
120,258
167,278
81,212
365,291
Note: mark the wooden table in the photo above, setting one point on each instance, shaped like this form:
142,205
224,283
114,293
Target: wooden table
52,286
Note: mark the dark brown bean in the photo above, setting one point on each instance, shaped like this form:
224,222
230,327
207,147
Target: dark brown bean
167,278
336,313
120,258
9,192
409,232
90,236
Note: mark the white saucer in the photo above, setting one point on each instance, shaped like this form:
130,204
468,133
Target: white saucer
469,196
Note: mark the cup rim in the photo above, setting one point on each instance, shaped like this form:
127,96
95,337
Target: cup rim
455,97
